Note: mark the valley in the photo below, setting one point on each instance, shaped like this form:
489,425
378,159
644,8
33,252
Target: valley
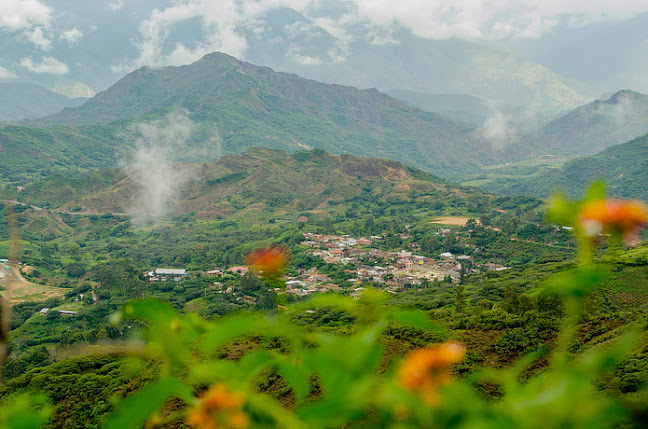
322,214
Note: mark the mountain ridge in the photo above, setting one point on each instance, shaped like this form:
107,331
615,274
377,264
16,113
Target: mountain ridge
258,180
591,128
247,105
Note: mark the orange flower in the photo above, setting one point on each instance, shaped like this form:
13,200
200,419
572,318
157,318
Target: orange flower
426,369
269,262
218,409
613,217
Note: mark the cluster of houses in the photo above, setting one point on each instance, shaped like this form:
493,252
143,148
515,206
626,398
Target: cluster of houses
395,270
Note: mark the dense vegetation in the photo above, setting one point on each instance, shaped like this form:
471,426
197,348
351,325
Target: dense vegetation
99,262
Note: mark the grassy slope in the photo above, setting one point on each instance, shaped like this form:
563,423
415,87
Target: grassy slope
623,167
262,179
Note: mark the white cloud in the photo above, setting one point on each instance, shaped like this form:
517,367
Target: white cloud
49,65
72,37
294,53
474,19
221,26
6,74
22,14
224,23
116,5
38,38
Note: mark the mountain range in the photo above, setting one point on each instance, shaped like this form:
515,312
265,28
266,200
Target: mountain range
232,105
92,45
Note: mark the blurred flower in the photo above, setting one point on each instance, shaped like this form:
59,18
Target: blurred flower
218,409
425,370
268,262
612,216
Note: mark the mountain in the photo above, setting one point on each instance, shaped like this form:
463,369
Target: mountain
88,46
22,100
239,105
624,168
257,181
597,125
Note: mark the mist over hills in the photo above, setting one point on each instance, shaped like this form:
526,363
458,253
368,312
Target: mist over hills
623,167
597,125
403,61
605,56
236,105
93,44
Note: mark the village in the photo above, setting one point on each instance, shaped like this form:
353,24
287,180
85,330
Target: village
394,271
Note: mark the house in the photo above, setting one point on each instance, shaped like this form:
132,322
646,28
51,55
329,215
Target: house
171,272
44,311
446,255
68,313
239,270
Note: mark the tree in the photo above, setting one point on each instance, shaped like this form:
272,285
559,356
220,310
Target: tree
460,300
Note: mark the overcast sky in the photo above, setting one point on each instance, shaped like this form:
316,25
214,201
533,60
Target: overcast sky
41,22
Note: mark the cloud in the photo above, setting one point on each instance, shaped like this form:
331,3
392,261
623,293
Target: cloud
224,24
159,145
222,29
116,5
49,65
6,74
23,14
72,37
473,19
497,129
38,38
294,53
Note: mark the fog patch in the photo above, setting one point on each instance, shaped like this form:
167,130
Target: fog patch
622,109
157,163
497,130
506,125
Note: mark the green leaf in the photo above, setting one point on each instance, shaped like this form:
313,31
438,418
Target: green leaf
227,329
25,412
133,411
149,310
595,192
414,318
577,282
296,373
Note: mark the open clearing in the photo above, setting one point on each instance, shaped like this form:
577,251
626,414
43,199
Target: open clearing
451,220
23,290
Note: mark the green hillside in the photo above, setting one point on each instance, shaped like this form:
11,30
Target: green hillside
624,168
263,182
597,125
234,105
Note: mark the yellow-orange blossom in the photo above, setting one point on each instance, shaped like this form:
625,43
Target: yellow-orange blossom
425,370
613,216
268,262
218,409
